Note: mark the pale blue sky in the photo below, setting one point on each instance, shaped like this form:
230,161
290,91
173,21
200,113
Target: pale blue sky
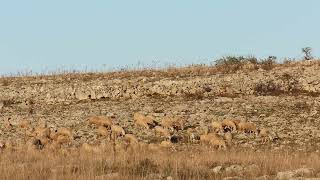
42,35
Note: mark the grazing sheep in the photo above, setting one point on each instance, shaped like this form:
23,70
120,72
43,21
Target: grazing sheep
218,142
62,139
143,121
117,131
206,138
247,127
228,125
35,144
100,121
64,131
236,122
213,139
130,139
166,144
172,123
191,135
41,132
264,133
61,132
162,132
216,126
102,131
131,142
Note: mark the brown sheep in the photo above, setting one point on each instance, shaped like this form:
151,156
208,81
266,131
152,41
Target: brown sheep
102,131
61,132
264,133
236,122
213,139
100,121
143,121
131,142
228,125
62,139
42,132
247,127
64,131
206,138
218,142
216,126
117,131
130,139
172,123
162,132
165,144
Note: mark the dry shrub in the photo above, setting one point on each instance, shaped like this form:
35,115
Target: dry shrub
268,64
268,88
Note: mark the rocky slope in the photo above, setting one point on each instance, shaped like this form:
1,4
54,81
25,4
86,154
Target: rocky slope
284,99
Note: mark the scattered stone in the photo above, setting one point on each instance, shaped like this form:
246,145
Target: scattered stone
234,169
217,169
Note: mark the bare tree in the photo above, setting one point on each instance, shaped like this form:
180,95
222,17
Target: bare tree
307,53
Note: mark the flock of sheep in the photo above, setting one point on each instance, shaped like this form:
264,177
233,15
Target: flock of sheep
219,134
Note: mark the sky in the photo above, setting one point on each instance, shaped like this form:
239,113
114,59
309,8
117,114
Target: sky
44,36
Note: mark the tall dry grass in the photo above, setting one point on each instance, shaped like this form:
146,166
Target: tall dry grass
193,163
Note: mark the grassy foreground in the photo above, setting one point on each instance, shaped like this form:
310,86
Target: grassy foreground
142,163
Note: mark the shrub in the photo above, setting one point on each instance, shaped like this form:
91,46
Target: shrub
307,53
267,88
230,64
268,64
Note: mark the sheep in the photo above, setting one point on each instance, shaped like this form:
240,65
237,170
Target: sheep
264,133
247,127
206,138
216,126
162,132
191,135
172,123
64,131
236,122
100,121
102,131
117,131
62,139
228,125
143,121
42,132
165,144
218,142
213,139
130,139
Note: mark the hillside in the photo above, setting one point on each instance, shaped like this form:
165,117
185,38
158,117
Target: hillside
284,99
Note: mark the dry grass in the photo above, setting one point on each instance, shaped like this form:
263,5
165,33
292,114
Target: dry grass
195,163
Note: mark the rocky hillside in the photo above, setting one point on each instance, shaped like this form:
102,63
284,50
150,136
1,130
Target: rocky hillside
284,99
